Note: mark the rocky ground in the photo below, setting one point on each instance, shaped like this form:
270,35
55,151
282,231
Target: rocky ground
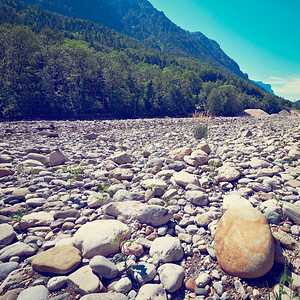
134,209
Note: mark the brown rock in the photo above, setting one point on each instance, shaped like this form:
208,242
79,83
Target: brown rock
191,285
243,243
57,260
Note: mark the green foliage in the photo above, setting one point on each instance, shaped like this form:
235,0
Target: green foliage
285,279
57,67
18,216
201,131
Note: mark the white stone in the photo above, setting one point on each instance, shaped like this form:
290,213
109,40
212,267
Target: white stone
142,273
183,178
97,237
154,215
232,200
171,276
36,219
151,292
84,281
197,197
228,173
166,249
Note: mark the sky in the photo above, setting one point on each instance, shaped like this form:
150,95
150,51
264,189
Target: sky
263,36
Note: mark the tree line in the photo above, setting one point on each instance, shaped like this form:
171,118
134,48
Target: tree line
83,72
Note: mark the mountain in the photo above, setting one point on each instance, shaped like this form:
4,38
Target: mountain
140,20
57,67
297,102
266,86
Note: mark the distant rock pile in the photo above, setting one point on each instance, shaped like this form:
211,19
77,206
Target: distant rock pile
140,209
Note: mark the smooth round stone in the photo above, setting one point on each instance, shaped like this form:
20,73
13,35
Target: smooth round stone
124,285
103,267
56,283
6,268
171,276
36,292
7,234
244,243
201,292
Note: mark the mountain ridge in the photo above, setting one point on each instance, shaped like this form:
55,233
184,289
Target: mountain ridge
140,20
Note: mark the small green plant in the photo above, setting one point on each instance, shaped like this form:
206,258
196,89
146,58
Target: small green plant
72,174
277,197
201,129
283,280
123,257
102,190
167,201
19,215
212,172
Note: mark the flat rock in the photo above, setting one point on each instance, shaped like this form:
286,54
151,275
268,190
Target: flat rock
97,237
36,219
57,260
154,215
166,249
104,296
197,158
6,268
256,163
183,178
84,281
232,200
243,243
7,234
17,249
121,158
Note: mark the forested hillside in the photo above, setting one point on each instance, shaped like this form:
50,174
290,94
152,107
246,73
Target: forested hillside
58,67
140,20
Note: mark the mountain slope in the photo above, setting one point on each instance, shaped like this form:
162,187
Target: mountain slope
139,19
266,86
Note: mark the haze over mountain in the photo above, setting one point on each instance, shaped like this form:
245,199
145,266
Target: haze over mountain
266,86
139,19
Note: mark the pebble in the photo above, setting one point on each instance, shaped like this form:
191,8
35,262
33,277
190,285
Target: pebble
154,201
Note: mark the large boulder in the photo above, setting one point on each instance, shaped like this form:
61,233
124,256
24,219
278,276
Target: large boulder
98,237
154,215
243,243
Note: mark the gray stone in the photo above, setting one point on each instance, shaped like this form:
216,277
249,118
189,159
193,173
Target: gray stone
7,234
154,215
202,280
56,283
197,197
121,158
34,293
183,178
17,249
143,272
7,268
124,285
103,267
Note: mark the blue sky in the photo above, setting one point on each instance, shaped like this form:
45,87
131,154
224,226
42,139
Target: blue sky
263,37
